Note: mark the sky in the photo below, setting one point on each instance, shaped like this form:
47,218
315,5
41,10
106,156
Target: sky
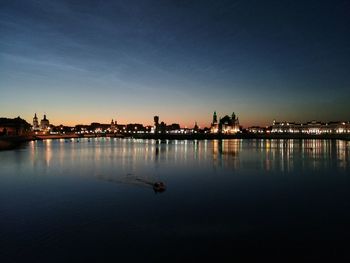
85,61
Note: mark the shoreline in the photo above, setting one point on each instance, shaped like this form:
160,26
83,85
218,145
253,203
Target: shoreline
13,142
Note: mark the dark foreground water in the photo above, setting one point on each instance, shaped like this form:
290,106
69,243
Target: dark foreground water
233,199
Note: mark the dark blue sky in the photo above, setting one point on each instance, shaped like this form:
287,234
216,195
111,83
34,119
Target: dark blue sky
84,61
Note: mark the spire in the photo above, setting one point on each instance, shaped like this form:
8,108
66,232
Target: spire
215,118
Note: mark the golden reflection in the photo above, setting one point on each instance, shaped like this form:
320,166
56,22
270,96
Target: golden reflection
281,155
342,153
48,152
131,155
226,152
41,152
33,152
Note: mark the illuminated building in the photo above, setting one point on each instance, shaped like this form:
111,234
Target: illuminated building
156,124
113,126
195,128
214,125
226,125
257,129
35,123
313,127
44,124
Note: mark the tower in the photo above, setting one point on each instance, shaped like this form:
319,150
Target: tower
112,126
156,120
195,128
156,124
35,123
235,123
215,118
233,117
214,125
45,124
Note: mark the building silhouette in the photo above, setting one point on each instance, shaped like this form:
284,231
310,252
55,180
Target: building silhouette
44,124
113,126
226,125
214,128
156,124
14,127
312,127
36,123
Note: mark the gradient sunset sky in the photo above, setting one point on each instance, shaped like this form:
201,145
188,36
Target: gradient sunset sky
85,61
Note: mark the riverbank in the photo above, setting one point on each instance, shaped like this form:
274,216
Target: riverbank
12,142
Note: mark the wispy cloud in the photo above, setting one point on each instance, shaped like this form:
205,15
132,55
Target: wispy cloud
35,62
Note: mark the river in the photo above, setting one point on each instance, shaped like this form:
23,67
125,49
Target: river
93,199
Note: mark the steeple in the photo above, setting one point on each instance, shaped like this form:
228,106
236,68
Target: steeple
44,124
113,125
35,123
215,118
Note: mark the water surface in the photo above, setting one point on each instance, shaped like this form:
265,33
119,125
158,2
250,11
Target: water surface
93,199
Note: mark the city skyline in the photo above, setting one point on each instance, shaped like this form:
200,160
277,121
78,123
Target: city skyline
81,62
231,120
149,122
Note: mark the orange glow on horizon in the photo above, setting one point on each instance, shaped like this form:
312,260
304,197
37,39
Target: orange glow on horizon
202,123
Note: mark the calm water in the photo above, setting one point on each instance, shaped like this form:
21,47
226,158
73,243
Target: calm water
93,199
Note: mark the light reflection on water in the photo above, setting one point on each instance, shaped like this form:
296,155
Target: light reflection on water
220,193
129,154
113,158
